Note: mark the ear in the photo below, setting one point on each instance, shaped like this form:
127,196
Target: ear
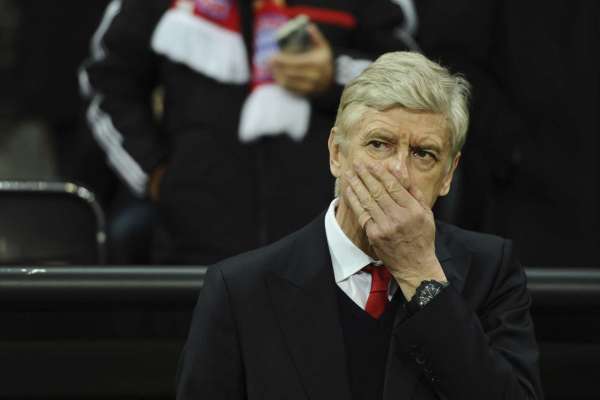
335,154
446,184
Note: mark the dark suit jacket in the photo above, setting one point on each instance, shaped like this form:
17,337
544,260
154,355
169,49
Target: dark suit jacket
267,326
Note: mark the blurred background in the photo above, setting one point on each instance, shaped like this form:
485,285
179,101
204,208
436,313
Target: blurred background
104,239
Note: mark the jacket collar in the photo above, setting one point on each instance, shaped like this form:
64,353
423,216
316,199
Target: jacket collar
305,302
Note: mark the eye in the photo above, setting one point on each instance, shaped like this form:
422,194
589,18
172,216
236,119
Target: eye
423,154
378,145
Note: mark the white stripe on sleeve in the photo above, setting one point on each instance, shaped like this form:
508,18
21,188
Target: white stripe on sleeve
348,68
408,30
103,128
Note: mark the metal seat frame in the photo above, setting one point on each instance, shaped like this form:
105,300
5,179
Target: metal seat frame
69,189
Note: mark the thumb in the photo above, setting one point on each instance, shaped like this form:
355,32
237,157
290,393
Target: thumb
316,36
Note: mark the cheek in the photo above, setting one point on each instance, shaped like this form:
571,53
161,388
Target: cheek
429,195
343,160
354,154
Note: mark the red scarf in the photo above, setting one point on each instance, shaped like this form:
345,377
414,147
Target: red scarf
206,36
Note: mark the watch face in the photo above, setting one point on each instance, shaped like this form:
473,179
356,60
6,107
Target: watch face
427,291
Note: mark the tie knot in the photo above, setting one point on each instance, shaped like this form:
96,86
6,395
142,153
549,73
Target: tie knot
380,278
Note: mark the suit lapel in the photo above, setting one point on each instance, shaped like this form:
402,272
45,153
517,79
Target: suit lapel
402,374
305,302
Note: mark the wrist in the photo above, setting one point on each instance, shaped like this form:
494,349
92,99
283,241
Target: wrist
409,283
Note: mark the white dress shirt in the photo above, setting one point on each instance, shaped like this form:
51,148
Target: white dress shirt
348,261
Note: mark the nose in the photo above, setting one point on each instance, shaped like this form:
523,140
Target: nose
398,162
398,165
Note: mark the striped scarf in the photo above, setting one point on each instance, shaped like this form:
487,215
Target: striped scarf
206,36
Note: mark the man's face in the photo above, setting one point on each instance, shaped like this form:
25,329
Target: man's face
399,139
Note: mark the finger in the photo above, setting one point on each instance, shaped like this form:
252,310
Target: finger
301,87
287,76
365,198
418,199
395,185
376,188
304,73
316,36
405,196
298,60
303,81
308,74
362,215
392,185
279,77
298,86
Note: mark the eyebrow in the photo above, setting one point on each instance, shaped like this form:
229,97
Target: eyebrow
379,132
429,141
430,146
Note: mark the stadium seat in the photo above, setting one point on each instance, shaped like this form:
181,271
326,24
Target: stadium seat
50,223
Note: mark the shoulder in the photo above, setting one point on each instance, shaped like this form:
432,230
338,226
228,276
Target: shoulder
488,264
477,244
255,263
127,20
247,270
480,257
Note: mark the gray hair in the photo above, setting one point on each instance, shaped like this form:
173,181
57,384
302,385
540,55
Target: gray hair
409,80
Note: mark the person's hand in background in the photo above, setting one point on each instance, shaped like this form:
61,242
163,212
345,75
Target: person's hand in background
307,73
154,182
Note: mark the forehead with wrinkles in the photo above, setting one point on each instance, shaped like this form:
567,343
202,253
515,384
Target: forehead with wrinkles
415,125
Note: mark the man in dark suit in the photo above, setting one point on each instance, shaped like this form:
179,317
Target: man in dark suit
373,299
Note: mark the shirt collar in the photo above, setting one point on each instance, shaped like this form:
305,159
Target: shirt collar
347,259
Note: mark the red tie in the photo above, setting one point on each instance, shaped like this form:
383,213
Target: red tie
378,296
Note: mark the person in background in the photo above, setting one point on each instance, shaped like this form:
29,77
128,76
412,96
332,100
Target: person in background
240,117
530,167
50,44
